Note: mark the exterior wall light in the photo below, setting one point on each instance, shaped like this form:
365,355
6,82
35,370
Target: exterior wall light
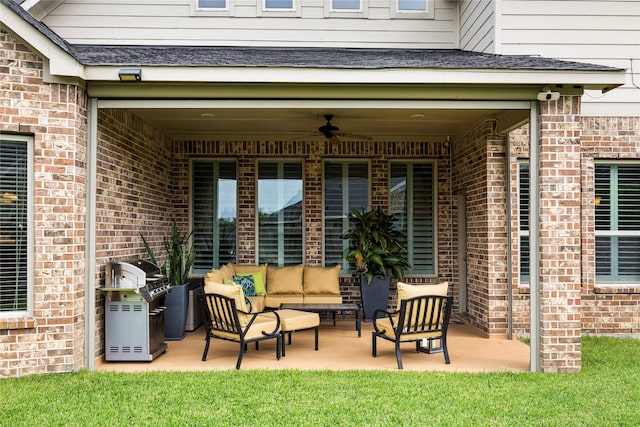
130,75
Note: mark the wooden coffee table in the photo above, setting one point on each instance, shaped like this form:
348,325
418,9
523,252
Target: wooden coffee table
328,308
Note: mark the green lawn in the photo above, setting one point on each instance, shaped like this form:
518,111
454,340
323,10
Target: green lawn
605,393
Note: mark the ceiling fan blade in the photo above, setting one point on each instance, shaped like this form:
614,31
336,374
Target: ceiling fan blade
355,135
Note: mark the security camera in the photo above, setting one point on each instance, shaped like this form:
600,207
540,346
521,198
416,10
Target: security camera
547,95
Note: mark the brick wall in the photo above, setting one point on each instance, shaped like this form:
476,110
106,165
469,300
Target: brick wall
246,152
604,309
479,170
50,340
134,195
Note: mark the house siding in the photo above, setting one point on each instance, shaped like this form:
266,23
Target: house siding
171,22
477,26
51,338
597,32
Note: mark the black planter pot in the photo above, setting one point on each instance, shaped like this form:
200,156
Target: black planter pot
175,316
375,295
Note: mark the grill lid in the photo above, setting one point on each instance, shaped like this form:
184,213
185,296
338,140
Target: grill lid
132,274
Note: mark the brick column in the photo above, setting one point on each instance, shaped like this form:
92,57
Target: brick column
559,235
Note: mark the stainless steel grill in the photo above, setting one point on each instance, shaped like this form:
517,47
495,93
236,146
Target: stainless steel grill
134,314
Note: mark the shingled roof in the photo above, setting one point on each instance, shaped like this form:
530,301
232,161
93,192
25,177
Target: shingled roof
299,57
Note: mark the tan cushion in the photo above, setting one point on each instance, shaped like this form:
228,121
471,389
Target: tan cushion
227,271
230,291
251,268
322,299
294,320
284,280
384,324
264,322
322,280
257,303
274,301
214,276
406,291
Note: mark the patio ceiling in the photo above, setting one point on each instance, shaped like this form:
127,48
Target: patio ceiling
433,124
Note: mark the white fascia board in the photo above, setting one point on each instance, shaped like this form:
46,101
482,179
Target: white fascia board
306,103
589,79
60,62
40,8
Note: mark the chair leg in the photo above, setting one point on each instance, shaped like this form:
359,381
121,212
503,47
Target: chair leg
279,346
206,348
445,350
282,343
398,356
243,348
374,349
316,333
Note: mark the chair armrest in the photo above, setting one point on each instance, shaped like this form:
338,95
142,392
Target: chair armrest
389,314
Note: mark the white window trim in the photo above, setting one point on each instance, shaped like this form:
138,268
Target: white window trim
397,13
295,11
329,12
30,225
228,10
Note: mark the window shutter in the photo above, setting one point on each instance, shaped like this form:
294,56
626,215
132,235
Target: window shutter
214,214
280,213
346,187
13,225
524,222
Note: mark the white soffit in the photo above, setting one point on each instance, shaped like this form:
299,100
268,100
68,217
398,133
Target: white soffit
40,8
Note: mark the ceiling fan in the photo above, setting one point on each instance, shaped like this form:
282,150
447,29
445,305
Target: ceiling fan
332,132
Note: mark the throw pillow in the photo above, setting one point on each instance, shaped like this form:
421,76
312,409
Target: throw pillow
247,285
228,282
250,268
257,281
285,280
322,280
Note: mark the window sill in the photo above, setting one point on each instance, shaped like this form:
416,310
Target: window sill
615,288
17,322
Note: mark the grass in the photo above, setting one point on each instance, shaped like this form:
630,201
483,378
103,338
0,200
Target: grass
605,393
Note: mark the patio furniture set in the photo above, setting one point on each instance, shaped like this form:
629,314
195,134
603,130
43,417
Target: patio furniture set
293,298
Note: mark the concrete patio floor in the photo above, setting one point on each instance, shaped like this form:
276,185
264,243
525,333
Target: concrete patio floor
339,349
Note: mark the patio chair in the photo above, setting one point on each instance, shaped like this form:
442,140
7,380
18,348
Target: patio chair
422,319
223,320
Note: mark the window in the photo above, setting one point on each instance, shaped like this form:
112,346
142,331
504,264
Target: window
15,253
413,9
346,187
346,8
413,203
214,212
278,4
617,218
280,213
212,4
523,232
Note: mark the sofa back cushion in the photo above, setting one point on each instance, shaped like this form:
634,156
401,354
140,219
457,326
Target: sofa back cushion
284,280
322,280
406,291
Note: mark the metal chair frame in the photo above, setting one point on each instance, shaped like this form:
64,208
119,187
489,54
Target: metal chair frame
418,316
221,317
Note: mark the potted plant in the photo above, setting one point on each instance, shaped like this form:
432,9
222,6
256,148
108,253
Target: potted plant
378,250
177,264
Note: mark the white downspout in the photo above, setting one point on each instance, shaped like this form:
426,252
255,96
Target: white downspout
90,232
534,233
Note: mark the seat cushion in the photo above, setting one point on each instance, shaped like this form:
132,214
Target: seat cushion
384,324
264,322
284,280
322,280
294,320
257,303
274,301
322,299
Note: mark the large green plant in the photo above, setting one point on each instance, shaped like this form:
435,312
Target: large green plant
179,256
377,247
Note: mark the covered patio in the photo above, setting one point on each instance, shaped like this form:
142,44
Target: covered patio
339,349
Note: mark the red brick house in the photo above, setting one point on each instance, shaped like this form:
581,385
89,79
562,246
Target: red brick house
524,203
